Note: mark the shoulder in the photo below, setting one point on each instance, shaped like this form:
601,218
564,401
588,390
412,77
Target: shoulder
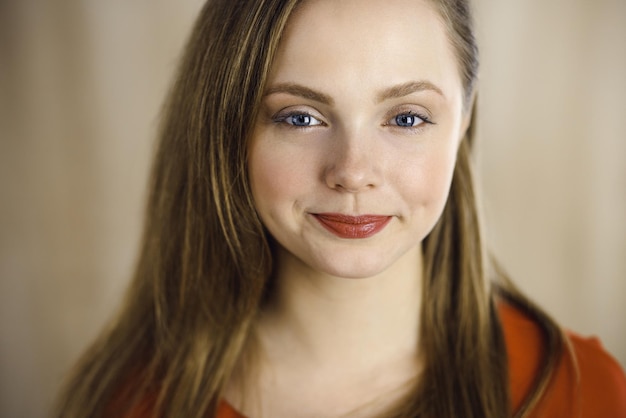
602,384
146,408
226,411
588,381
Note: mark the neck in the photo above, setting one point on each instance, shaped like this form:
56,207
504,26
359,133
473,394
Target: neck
327,321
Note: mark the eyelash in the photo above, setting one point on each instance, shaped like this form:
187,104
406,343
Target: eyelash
424,118
282,118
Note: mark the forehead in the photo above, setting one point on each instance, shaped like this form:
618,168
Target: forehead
366,41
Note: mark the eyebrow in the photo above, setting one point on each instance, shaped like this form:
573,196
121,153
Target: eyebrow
300,91
405,89
393,92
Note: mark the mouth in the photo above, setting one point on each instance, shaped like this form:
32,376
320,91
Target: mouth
352,227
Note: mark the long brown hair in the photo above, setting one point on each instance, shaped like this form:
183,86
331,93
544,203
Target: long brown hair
201,276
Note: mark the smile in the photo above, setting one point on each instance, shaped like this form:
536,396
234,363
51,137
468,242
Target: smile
352,227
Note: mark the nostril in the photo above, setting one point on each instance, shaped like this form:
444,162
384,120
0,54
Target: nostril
351,178
352,165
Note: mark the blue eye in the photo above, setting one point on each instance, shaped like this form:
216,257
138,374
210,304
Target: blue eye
300,120
408,120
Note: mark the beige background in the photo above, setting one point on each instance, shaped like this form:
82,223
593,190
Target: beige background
81,83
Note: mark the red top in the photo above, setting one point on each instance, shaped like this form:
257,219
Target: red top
602,389
599,391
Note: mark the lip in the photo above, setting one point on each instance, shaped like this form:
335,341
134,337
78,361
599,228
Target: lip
352,227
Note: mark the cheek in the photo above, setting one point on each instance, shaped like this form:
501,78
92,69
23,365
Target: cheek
264,180
426,181
275,177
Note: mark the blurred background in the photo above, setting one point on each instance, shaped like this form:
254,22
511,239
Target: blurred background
81,84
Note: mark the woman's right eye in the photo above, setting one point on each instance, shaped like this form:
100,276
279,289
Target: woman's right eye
298,119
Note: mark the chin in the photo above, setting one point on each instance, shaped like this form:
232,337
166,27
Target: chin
356,268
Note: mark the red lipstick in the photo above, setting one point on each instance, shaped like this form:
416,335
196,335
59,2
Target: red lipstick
353,227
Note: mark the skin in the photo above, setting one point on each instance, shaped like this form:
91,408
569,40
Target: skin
331,138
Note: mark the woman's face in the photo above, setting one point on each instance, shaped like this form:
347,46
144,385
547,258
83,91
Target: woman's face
353,151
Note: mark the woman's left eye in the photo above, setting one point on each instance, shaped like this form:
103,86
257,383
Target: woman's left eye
408,120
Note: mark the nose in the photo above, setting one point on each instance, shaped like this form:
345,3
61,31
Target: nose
353,165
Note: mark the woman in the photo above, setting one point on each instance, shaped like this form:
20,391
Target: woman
312,246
